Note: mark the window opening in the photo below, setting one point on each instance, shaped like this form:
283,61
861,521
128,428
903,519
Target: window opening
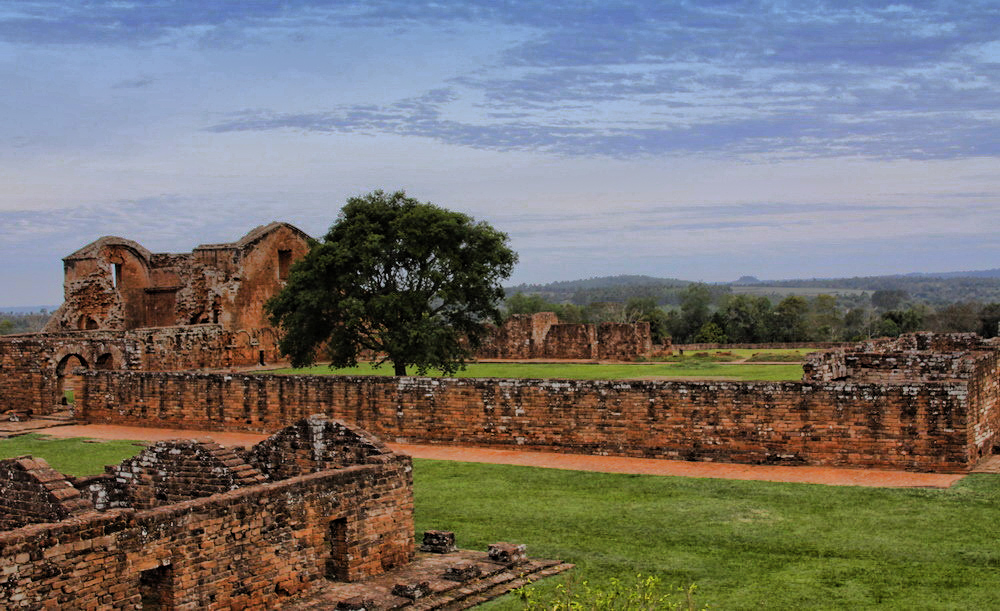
336,566
284,263
156,588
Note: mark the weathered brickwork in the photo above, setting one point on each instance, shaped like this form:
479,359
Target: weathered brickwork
250,547
35,369
116,284
922,426
541,335
31,491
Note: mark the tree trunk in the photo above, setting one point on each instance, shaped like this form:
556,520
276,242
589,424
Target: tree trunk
400,368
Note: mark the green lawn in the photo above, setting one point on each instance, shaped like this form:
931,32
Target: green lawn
72,456
747,545
584,371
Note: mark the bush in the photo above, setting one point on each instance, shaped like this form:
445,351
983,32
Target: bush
645,594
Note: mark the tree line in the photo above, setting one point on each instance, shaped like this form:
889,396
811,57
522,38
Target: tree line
23,323
705,314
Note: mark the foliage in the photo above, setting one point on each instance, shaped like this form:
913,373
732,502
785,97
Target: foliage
21,322
397,277
748,545
711,333
645,593
71,456
519,303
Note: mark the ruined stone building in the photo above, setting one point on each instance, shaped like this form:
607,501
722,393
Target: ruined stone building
116,284
192,525
542,336
317,516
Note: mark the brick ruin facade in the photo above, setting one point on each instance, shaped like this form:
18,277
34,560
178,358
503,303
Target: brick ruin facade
542,336
190,525
116,284
128,309
913,419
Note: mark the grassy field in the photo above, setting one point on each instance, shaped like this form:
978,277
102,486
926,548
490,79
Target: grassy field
71,456
746,545
582,371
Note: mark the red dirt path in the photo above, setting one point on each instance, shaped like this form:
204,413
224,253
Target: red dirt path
577,462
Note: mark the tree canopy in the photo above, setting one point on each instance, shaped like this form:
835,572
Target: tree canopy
408,282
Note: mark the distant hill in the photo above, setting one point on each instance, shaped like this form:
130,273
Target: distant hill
983,273
27,309
931,288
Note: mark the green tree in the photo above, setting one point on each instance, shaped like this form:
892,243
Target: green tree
409,281
748,318
825,320
710,333
695,302
989,320
6,327
790,320
645,309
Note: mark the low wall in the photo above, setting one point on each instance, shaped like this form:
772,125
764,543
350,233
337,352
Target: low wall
248,548
767,346
919,426
36,368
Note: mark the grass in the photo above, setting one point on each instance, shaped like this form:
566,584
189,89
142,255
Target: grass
747,545
582,371
72,456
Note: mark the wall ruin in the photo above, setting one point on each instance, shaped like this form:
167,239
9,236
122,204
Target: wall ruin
219,538
542,336
116,284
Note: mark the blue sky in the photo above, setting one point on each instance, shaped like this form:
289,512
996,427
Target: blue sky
701,140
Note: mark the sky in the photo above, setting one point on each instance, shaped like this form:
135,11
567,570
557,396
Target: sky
703,140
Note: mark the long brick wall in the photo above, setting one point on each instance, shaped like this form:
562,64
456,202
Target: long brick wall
936,425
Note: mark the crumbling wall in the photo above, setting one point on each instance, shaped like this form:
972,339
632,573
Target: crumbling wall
623,341
116,284
314,444
31,492
170,472
249,547
570,341
921,426
541,335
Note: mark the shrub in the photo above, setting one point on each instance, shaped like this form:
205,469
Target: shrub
645,594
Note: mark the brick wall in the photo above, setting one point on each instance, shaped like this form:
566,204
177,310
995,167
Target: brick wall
541,335
249,547
923,426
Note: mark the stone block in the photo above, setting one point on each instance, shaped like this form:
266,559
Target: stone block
438,542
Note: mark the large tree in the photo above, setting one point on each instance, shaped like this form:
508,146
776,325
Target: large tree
408,281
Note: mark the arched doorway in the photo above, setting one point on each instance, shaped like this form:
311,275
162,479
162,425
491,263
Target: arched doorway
68,383
105,361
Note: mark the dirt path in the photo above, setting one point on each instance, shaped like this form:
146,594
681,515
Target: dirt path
577,462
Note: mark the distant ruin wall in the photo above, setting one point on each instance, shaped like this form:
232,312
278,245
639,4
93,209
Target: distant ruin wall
922,426
541,335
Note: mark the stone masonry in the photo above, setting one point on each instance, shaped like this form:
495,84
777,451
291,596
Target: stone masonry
835,416
542,336
188,525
